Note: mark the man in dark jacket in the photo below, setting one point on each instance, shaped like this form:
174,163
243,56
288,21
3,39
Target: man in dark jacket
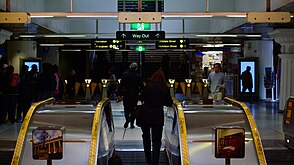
247,83
130,88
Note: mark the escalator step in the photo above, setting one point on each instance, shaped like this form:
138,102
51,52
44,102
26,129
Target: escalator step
138,157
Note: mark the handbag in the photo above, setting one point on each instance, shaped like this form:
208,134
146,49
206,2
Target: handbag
139,115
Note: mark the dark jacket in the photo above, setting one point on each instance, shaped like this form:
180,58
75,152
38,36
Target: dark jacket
247,79
130,87
155,96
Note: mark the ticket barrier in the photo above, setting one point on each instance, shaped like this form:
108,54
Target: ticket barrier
220,134
65,134
288,123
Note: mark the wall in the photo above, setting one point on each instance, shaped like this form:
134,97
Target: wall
264,51
20,49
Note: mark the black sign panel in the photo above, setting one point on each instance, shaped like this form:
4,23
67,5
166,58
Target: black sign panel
173,43
140,35
107,44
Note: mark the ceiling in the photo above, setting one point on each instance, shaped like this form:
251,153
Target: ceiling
247,28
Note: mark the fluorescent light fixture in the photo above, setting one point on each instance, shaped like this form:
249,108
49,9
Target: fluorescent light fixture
236,16
187,16
213,45
51,44
216,35
71,50
77,44
42,16
231,44
91,16
251,35
66,35
27,36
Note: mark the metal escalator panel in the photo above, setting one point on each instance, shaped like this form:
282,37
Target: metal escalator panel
81,131
175,135
102,134
22,137
201,122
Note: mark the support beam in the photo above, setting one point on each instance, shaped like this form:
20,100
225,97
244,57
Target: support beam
7,5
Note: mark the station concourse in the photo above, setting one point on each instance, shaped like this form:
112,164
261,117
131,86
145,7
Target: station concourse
94,42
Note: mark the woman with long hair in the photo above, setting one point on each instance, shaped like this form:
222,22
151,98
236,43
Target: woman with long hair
155,96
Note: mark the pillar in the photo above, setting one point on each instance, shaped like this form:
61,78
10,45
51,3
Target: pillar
285,37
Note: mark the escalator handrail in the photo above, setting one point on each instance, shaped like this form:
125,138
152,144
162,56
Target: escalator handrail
24,128
95,132
254,130
184,151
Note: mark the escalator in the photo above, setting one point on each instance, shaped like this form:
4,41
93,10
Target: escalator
90,135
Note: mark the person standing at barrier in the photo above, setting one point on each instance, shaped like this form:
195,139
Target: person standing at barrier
216,82
247,83
130,87
155,96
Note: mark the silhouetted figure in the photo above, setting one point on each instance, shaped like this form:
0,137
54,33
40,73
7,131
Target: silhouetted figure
125,56
130,87
10,85
155,96
46,83
70,87
33,81
165,65
25,95
59,83
247,83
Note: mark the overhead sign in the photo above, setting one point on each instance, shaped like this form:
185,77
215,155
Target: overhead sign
140,35
140,26
173,43
107,44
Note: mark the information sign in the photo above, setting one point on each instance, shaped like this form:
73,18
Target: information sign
140,48
107,44
173,43
140,35
140,26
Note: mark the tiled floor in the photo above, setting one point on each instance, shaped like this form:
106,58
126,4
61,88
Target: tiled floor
268,120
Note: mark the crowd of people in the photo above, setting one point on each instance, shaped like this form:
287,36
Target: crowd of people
19,91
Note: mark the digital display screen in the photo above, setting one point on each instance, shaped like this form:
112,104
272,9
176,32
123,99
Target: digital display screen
30,63
243,65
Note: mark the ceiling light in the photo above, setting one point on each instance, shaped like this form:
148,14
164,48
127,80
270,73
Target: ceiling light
187,16
67,35
236,16
27,36
216,35
250,35
51,44
91,16
42,16
71,50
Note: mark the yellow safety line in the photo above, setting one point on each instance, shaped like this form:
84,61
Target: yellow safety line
96,120
183,133
23,131
254,131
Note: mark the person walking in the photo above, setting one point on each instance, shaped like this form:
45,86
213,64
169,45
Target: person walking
155,96
216,82
130,87
247,83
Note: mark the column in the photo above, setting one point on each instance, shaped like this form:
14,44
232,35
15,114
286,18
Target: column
285,37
